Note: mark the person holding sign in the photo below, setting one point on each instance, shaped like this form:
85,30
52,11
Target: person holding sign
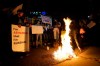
18,18
56,30
38,36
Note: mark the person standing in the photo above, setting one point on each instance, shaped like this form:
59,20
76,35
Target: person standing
74,31
38,36
18,19
56,33
56,30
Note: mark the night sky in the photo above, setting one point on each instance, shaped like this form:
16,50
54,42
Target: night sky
62,7
56,7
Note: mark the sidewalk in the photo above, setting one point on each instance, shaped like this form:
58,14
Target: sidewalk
43,57
90,57
36,57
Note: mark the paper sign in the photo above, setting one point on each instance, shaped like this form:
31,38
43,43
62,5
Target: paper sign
20,38
91,24
37,29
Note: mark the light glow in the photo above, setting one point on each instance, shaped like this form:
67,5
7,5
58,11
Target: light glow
65,51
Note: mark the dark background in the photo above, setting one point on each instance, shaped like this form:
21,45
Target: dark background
56,7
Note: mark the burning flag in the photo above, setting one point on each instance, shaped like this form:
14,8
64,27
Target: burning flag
65,51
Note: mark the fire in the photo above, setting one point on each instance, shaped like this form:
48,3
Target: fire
65,51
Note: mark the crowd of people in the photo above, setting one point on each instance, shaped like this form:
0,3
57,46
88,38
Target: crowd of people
51,33
80,32
84,32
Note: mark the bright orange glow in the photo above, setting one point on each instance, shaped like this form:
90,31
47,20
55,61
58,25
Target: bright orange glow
82,31
65,51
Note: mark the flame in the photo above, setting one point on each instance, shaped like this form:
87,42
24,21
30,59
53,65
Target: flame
65,51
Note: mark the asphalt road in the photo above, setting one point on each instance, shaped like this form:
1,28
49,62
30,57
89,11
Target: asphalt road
43,57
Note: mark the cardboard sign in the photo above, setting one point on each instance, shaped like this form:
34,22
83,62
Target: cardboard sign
20,38
37,29
91,24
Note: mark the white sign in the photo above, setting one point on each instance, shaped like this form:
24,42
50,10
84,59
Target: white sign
91,24
37,29
20,38
46,19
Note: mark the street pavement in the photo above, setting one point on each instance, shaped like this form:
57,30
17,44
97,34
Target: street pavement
90,57
42,57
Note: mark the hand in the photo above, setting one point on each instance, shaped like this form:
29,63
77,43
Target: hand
19,25
82,31
30,25
82,36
